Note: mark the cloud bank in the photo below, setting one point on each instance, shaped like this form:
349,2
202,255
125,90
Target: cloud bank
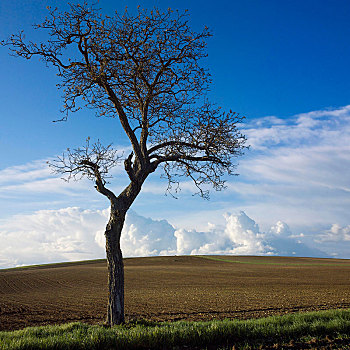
75,234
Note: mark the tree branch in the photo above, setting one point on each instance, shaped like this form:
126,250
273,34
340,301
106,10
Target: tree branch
124,122
93,161
175,143
128,167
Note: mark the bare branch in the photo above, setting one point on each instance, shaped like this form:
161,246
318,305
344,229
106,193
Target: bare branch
93,162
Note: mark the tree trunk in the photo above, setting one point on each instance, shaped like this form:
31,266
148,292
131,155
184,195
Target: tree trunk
115,308
119,207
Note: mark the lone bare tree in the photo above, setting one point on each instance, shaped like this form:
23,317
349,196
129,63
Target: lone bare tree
142,70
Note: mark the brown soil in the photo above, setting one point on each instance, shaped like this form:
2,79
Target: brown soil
174,288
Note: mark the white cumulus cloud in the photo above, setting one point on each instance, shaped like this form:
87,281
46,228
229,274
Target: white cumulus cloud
280,229
143,236
75,234
336,233
240,236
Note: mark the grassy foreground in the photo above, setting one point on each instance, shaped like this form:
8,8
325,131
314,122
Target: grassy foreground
299,330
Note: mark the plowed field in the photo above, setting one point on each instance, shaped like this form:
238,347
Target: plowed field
174,288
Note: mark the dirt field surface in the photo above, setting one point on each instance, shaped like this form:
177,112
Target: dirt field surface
174,288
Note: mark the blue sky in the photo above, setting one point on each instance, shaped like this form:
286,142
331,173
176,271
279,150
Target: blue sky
282,64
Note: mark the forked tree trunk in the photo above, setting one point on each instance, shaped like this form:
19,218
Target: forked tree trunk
115,308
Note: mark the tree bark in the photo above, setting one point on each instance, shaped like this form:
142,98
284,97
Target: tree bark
119,207
115,308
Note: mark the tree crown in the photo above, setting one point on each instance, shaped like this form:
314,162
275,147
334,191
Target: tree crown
144,70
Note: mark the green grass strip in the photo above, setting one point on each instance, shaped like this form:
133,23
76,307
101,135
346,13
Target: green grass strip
269,263
176,335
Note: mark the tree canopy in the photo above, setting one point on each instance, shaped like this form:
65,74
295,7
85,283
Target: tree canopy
144,70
